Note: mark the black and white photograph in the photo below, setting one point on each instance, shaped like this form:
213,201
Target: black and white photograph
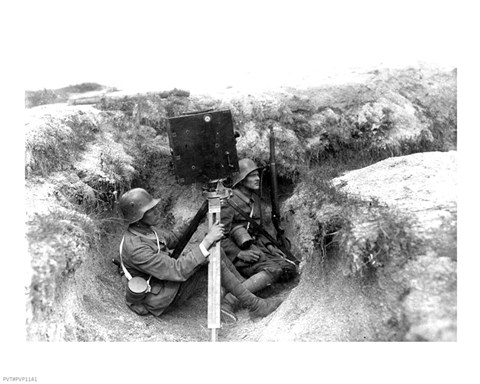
266,185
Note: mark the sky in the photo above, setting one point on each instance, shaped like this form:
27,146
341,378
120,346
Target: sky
203,45
207,45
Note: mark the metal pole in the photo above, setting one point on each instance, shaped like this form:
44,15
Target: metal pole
214,270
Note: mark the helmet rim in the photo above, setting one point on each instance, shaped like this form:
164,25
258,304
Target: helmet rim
246,167
134,203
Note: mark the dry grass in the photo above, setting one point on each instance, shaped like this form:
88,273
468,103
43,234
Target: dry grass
53,141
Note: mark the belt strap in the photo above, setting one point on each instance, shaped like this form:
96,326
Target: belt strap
251,217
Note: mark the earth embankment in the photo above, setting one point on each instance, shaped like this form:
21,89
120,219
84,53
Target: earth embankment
389,271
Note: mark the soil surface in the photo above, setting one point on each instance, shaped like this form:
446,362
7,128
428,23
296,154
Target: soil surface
95,303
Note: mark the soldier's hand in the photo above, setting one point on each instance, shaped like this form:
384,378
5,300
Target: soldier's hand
216,232
275,251
250,256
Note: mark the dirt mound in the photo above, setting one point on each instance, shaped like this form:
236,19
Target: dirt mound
385,296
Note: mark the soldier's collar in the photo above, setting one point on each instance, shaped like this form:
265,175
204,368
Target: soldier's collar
146,233
242,197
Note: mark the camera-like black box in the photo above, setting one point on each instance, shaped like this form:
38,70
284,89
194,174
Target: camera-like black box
203,146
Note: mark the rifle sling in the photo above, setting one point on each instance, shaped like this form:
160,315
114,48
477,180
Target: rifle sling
259,228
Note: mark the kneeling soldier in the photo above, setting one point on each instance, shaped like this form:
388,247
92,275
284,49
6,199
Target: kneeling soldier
144,254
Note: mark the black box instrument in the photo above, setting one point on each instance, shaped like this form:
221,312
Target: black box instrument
203,146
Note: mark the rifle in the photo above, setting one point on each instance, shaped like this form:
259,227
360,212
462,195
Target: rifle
274,195
192,227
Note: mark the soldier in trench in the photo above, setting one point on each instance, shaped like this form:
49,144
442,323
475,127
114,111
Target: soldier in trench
254,256
144,254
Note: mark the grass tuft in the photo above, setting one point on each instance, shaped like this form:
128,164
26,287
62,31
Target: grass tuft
53,143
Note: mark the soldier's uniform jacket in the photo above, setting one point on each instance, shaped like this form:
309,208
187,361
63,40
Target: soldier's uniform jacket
141,258
231,219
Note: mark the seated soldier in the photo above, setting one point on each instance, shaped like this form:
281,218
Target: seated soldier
254,256
144,253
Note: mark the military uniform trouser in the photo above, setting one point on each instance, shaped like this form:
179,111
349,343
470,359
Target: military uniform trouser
229,276
276,266
189,287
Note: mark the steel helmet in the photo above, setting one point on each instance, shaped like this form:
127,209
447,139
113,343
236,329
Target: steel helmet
245,166
134,203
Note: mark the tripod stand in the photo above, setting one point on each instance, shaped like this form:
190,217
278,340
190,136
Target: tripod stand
214,192
214,279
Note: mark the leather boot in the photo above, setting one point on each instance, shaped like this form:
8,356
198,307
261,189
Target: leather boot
254,284
265,307
227,314
230,266
258,307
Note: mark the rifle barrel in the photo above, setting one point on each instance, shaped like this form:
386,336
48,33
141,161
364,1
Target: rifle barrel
274,183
